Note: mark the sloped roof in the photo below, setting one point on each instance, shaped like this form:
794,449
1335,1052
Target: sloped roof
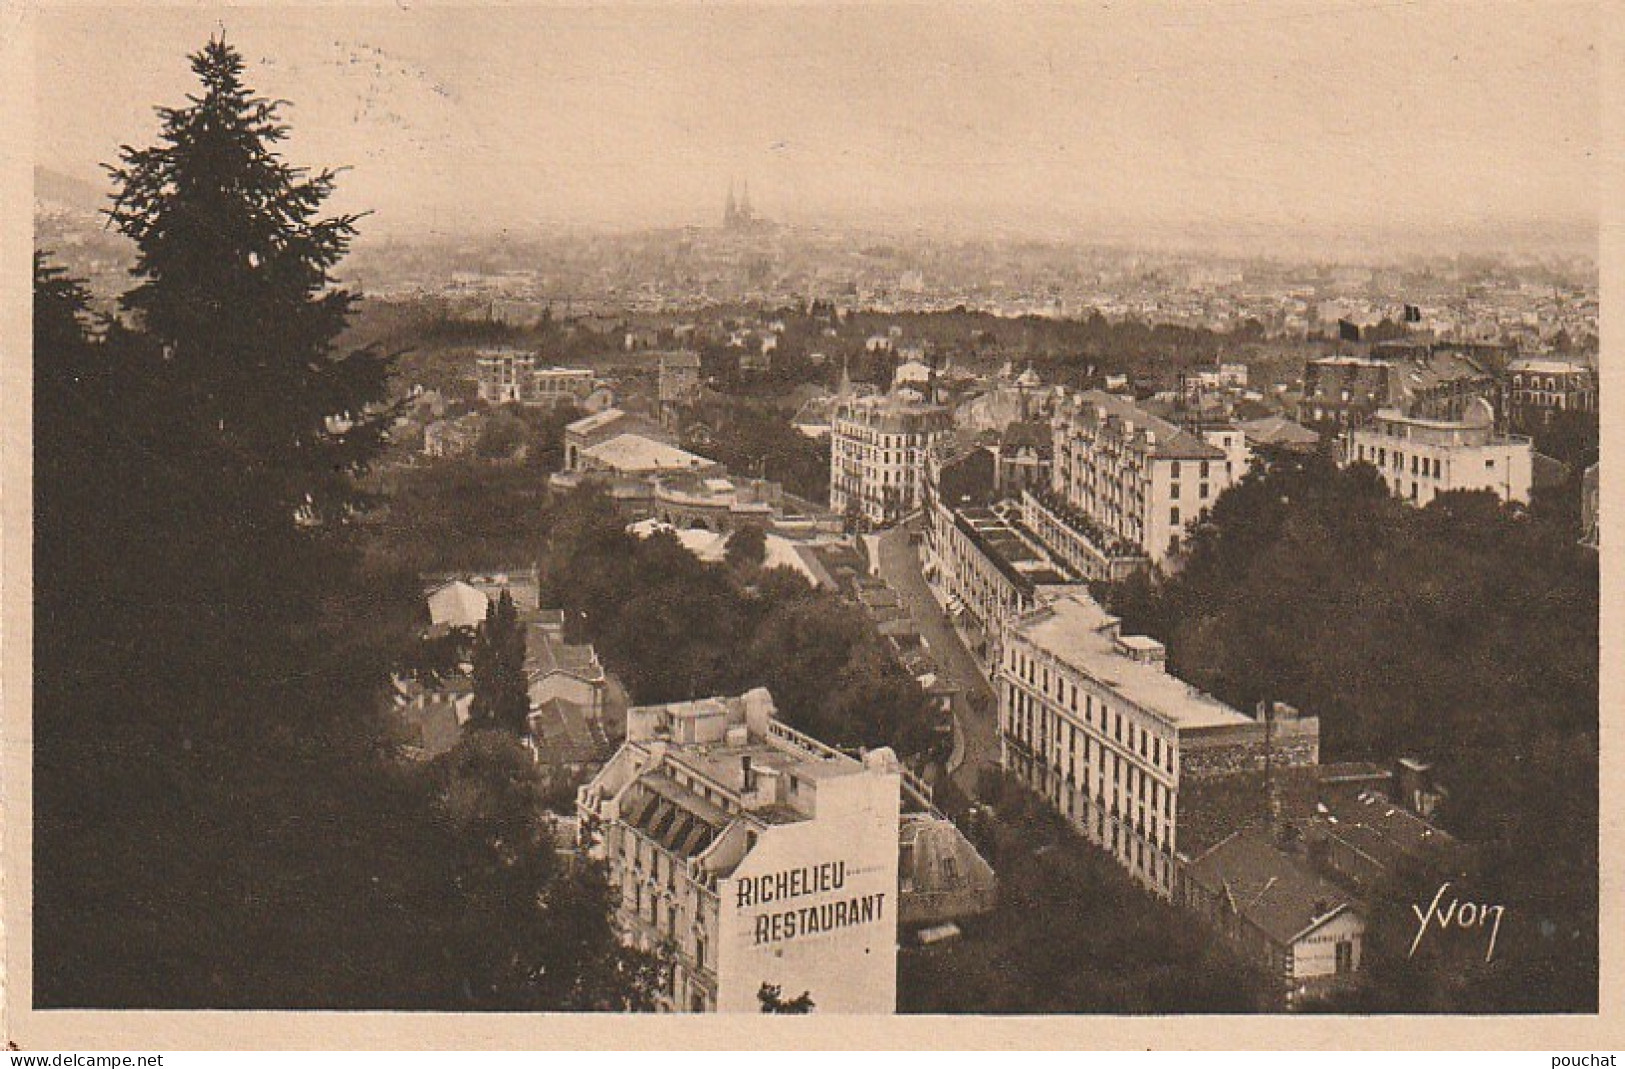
635,453
457,603
1278,430
543,656
565,733
1271,889
597,421
1385,831
1172,442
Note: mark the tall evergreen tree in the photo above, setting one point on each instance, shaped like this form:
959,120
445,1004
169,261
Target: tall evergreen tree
219,820
213,825
236,289
500,699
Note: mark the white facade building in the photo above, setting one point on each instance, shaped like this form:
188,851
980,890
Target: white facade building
987,569
511,376
1091,720
1137,479
505,375
878,450
1422,458
558,385
754,853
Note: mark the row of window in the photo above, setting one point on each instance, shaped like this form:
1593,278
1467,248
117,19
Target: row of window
856,432
646,900
873,455
1106,774
1149,856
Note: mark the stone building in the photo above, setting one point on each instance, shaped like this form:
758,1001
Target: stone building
1539,389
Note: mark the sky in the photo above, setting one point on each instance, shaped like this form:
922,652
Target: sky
1313,118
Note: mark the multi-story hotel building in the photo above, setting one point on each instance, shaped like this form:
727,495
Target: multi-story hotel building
504,375
507,376
754,854
878,450
1091,720
1422,458
987,568
1538,389
1130,482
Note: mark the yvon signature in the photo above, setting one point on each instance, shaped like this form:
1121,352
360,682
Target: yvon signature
1464,915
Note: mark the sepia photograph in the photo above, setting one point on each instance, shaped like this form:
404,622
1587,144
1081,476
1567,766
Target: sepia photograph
919,511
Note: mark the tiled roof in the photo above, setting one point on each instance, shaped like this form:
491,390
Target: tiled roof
1172,443
567,734
544,656
1271,889
1383,830
1278,430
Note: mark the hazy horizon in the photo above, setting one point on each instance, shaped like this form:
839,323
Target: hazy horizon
1404,123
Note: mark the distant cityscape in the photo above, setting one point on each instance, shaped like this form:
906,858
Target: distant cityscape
766,617
1534,300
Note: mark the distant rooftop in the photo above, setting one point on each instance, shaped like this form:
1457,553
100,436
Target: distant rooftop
1278,430
635,453
588,424
1548,367
1171,442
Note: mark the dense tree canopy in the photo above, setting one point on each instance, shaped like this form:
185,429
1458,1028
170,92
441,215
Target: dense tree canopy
1465,633
747,546
1072,933
673,627
235,290
756,439
222,814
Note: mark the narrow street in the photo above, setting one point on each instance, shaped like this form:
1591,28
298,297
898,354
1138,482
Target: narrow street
974,708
